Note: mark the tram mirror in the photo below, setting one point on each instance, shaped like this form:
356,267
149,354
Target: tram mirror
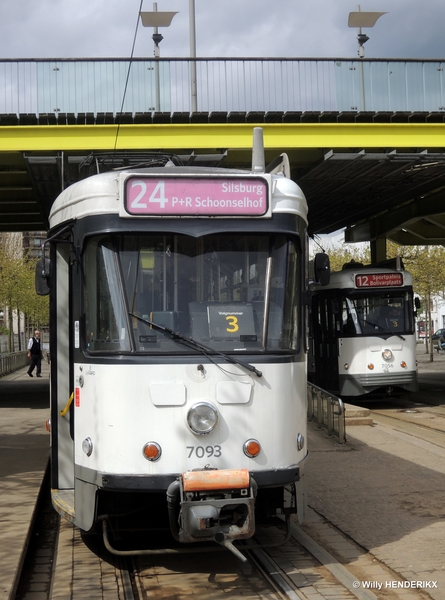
417,302
322,270
42,277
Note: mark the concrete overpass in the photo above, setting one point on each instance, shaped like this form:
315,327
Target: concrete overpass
379,174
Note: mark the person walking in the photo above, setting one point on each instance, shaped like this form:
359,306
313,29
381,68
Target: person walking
35,354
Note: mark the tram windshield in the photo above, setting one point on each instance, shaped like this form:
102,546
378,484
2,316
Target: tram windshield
233,293
377,314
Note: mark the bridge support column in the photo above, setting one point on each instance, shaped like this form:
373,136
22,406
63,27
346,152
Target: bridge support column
378,249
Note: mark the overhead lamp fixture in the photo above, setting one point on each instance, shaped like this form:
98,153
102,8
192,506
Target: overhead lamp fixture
363,19
157,19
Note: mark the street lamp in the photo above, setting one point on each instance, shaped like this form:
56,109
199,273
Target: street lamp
157,19
193,85
363,19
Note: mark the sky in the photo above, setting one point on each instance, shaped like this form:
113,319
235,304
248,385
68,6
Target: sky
224,28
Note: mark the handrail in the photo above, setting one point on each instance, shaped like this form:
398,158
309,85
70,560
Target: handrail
68,404
327,410
240,84
224,59
13,362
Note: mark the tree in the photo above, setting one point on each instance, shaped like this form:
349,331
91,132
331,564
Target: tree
427,266
344,253
17,291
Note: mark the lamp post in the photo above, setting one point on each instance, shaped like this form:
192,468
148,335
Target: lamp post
157,19
361,19
193,87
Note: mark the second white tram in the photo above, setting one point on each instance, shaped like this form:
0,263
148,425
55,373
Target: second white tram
178,331
362,332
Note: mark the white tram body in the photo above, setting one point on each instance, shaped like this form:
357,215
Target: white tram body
362,332
178,333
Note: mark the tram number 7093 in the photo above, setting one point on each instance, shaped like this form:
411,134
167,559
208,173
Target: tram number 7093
208,451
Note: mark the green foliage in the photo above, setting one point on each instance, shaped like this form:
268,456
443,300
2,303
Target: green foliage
17,277
426,264
339,254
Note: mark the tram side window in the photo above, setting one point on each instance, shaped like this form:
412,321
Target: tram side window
105,320
352,318
284,296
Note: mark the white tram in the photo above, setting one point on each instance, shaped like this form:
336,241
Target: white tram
362,331
178,331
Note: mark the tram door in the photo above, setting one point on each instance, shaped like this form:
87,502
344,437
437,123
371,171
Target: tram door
324,317
62,425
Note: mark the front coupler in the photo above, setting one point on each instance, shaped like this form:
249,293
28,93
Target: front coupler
213,505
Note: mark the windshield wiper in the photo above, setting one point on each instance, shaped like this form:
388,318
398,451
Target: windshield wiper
384,329
197,345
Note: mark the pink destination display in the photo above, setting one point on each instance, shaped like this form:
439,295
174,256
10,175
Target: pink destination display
379,280
234,196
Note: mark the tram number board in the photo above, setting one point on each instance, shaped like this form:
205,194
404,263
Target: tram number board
379,280
196,196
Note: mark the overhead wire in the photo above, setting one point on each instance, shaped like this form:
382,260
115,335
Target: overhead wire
119,116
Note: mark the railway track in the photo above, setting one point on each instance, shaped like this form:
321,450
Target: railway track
63,563
71,565
422,420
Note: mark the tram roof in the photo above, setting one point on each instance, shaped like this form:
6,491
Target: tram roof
346,278
100,194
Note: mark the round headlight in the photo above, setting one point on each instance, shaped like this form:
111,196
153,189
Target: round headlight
202,418
87,446
387,354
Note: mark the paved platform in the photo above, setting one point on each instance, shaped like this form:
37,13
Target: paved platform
24,452
385,489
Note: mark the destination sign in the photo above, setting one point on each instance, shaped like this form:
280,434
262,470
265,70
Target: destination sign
379,280
196,196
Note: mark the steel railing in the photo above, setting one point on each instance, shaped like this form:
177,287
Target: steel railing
12,362
73,86
327,411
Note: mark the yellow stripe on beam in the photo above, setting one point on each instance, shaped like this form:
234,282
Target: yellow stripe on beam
221,135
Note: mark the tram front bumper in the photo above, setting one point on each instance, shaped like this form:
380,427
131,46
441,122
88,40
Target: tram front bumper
215,505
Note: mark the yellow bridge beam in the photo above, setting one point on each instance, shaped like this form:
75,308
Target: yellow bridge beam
221,135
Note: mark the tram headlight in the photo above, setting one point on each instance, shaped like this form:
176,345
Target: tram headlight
202,418
387,355
87,446
300,441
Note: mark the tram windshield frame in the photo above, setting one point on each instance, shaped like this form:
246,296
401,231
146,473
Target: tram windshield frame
377,313
233,293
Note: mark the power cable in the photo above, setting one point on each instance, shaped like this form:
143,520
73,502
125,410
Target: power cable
119,116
